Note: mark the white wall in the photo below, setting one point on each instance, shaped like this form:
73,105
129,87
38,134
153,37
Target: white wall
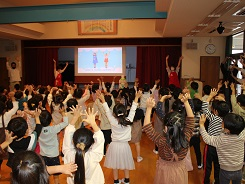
11,54
191,62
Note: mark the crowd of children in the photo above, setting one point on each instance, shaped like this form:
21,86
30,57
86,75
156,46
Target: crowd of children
46,123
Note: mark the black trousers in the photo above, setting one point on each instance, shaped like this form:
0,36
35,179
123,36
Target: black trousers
210,156
195,142
107,136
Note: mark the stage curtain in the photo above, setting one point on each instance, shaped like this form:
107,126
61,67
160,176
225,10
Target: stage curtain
39,66
151,64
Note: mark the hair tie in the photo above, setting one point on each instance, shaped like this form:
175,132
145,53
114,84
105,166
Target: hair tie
32,104
80,146
121,114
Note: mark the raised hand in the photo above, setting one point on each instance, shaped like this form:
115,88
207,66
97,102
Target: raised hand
185,97
138,94
232,86
213,92
202,120
9,137
220,98
37,113
100,96
90,116
77,111
167,57
150,102
164,97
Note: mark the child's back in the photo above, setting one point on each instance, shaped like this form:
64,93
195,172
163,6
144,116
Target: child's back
19,127
229,146
48,140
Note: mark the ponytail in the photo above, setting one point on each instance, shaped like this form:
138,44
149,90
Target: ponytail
175,135
120,113
82,139
79,177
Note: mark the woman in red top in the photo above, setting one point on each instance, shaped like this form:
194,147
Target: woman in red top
173,73
57,74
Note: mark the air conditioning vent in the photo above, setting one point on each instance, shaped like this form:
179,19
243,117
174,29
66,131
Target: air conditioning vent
240,12
192,46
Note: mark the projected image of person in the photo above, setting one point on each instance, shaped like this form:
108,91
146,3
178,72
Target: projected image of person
106,59
95,60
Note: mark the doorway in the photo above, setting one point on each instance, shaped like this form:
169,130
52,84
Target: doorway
209,70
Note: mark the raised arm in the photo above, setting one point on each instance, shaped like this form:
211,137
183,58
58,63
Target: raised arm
210,140
8,140
134,106
167,61
17,59
150,103
64,68
159,110
188,108
180,60
7,64
238,80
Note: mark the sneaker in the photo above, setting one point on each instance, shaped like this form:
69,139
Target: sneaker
199,166
122,181
139,159
156,152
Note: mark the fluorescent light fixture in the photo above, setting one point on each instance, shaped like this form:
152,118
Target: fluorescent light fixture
214,16
231,1
202,25
195,31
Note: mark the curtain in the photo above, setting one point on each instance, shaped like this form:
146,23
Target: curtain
151,63
39,66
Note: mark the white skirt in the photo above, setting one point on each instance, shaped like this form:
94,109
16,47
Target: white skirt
119,156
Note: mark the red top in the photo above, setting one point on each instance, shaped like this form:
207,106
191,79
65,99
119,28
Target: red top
58,80
173,79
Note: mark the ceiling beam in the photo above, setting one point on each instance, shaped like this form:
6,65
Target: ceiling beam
82,11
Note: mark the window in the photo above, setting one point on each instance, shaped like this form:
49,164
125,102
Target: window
237,43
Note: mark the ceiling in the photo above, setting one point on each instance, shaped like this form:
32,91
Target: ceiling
185,18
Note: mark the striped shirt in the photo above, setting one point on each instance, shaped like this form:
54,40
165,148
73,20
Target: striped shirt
164,149
230,149
215,125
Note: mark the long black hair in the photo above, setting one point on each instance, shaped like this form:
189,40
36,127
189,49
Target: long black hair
29,167
175,135
82,139
120,112
162,92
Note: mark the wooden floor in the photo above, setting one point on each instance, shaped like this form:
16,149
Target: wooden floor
143,174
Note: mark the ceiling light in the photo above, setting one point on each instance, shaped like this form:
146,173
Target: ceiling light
195,31
214,16
202,25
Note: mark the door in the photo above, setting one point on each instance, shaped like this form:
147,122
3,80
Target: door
209,70
4,79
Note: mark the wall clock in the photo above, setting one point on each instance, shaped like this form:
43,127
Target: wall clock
210,49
